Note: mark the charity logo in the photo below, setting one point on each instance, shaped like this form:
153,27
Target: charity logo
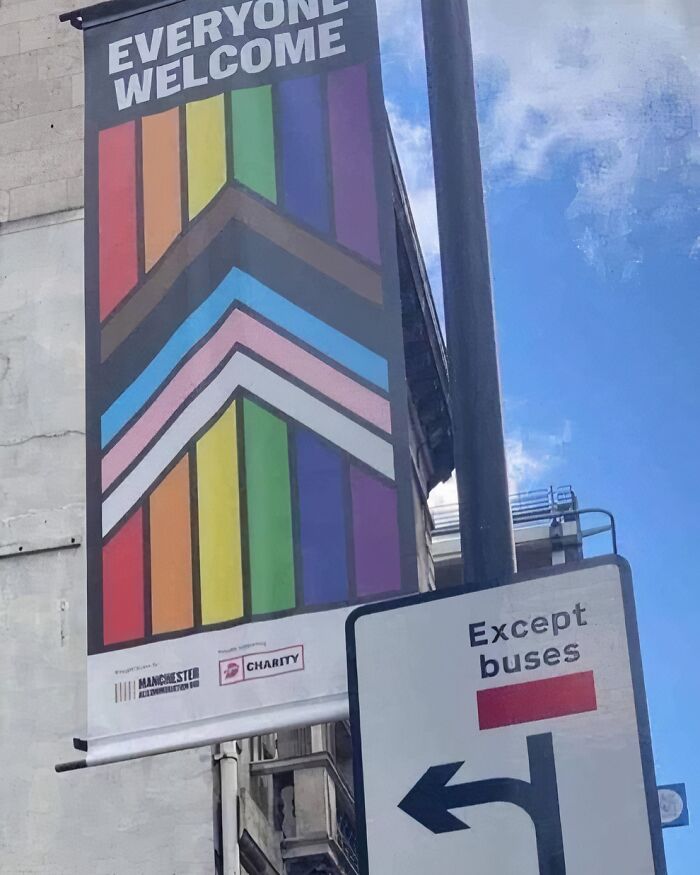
231,671
265,664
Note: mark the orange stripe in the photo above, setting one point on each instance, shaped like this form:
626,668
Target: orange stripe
161,183
171,552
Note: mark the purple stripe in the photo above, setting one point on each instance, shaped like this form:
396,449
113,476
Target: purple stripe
304,162
352,161
321,521
376,535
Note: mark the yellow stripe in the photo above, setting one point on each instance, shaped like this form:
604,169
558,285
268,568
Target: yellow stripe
220,569
206,151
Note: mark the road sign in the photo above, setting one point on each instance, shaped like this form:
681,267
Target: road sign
673,804
529,694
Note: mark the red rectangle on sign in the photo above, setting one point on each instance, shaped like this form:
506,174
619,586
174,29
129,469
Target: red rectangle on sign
536,700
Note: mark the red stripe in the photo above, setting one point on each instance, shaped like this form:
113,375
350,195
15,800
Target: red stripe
117,215
122,583
536,700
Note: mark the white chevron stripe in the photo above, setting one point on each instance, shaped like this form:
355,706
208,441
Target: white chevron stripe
242,371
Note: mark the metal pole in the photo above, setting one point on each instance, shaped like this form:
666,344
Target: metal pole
485,521
228,766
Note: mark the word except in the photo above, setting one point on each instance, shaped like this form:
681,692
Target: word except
191,69
482,634
555,623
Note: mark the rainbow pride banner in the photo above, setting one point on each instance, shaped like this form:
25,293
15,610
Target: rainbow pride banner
249,476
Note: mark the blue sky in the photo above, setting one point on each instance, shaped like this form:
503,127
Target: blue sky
590,120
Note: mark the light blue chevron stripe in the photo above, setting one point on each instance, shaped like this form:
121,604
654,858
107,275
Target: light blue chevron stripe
240,287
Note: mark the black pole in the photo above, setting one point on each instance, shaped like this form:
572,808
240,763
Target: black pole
482,481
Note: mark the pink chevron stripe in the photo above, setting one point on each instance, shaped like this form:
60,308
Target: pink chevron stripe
241,328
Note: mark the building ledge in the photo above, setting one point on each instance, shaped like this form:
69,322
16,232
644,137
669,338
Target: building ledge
320,760
316,853
43,221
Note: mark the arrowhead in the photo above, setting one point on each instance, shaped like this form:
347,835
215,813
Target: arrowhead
428,801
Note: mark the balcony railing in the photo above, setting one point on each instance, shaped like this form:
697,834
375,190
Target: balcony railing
347,839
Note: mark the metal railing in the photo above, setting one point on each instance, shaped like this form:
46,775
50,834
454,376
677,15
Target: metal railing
551,505
540,504
526,507
445,519
346,837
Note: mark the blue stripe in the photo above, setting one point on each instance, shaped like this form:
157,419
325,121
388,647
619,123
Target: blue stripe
304,162
242,288
322,521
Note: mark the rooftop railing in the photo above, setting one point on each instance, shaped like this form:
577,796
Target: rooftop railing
526,507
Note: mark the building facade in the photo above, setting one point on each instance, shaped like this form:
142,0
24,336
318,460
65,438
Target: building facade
284,801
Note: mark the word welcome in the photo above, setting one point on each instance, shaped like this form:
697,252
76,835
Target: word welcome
228,31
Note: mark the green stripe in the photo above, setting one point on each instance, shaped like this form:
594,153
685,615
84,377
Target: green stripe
254,140
271,550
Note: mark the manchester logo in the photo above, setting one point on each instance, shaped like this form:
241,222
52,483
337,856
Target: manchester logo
157,685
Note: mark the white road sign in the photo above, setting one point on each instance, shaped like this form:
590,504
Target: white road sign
505,731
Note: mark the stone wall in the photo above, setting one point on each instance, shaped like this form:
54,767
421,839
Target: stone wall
41,109
152,816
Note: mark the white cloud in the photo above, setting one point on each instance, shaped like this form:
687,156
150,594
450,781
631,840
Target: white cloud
610,86
444,494
401,31
533,458
580,72
531,461
415,154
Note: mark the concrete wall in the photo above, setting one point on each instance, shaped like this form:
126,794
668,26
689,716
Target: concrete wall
41,115
152,817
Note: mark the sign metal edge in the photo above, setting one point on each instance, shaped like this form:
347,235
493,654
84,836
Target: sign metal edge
638,686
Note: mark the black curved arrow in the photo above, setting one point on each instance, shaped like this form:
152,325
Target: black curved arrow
430,801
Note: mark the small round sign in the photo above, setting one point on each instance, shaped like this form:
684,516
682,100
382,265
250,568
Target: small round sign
671,805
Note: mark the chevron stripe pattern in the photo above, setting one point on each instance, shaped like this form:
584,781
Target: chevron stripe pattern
247,457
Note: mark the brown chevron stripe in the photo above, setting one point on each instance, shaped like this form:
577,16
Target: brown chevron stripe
235,204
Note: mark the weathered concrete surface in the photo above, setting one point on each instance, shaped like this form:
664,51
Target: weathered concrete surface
41,117
152,817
